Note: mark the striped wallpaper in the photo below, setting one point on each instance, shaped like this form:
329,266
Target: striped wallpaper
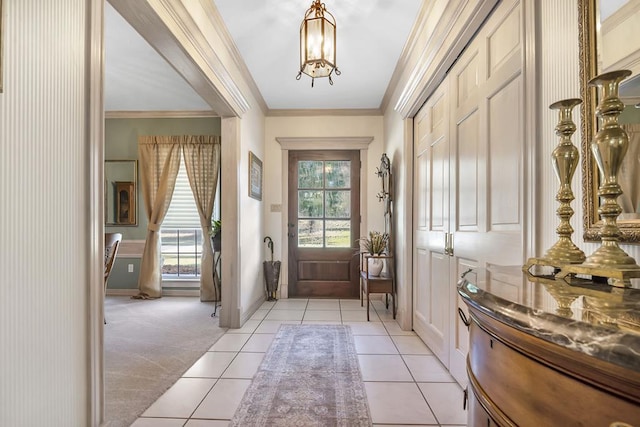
44,215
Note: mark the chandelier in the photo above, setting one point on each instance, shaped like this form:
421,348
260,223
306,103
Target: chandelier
318,43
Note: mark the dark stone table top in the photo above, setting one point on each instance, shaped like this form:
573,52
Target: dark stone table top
593,318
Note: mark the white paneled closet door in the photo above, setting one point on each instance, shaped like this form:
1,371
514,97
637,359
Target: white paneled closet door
482,150
431,210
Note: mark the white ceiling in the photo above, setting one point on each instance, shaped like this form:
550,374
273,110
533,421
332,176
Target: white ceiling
137,78
370,38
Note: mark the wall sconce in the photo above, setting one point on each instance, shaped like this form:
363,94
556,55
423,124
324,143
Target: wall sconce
318,43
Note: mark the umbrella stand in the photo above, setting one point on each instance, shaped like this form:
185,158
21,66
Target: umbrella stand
271,273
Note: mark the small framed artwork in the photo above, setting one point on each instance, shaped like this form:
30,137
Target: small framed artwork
125,203
255,176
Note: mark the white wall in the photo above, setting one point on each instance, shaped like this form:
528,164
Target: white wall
275,178
251,218
44,215
398,137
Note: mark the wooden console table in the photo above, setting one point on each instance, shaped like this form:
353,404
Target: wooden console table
550,352
382,284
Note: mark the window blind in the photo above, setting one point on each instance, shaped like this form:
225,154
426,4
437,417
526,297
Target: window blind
182,212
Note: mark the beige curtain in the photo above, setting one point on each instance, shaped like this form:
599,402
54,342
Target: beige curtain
159,162
629,176
201,156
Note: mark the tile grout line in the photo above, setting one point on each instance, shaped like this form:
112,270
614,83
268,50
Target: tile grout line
222,373
306,310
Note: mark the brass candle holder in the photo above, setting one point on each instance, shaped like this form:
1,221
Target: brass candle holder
565,161
609,147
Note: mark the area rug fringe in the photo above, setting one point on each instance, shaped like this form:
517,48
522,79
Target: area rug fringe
309,377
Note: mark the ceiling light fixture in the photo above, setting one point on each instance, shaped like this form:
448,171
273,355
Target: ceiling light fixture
318,43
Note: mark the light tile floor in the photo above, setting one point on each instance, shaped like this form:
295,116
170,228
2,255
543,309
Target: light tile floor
405,383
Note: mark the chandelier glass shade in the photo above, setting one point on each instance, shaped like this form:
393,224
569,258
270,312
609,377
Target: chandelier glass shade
318,43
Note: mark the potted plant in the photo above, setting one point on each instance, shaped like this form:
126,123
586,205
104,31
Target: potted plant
216,235
375,244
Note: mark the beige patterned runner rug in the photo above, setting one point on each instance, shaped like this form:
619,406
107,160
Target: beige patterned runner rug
309,377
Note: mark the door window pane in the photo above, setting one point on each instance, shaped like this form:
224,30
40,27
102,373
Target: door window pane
310,174
310,233
310,204
338,234
337,174
338,204
324,204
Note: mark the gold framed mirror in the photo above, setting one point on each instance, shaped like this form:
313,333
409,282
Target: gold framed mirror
599,30
120,191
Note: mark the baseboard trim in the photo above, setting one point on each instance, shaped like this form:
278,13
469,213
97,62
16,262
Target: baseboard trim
165,292
251,310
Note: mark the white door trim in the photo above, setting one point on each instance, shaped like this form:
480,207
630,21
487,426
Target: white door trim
95,139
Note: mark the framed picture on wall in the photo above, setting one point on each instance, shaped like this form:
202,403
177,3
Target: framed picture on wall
255,176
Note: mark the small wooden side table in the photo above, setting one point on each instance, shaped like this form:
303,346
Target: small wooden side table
382,284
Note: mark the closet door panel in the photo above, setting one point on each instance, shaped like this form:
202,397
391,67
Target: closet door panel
467,185
504,42
436,334
439,186
420,200
467,81
467,171
431,278
486,160
459,332
505,151
422,290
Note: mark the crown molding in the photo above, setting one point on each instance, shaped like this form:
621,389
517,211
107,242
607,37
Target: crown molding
403,61
324,112
122,114
619,16
212,11
181,22
327,143
169,27
458,24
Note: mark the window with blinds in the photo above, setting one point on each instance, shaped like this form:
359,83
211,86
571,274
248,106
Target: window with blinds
181,234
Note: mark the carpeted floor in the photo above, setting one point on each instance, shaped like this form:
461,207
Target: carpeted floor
148,345
309,377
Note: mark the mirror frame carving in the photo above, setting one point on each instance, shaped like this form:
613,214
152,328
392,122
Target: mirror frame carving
587,60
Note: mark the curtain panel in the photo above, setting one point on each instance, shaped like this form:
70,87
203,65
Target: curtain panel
159,163
159,160
201,155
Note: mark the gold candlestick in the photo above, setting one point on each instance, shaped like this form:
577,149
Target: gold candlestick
565,160
609,147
